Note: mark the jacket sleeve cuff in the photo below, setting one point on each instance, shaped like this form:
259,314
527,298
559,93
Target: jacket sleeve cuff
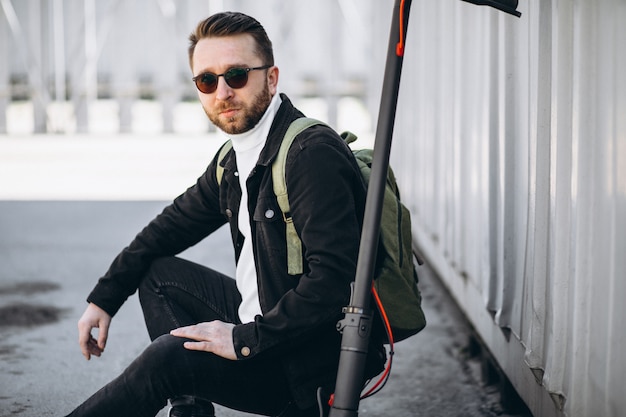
105,302
245,341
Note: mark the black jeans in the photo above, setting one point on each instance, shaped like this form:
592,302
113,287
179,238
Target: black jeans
176,293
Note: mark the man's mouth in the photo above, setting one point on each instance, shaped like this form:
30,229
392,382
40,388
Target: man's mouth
229,112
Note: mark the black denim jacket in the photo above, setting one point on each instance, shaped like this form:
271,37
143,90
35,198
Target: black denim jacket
327,196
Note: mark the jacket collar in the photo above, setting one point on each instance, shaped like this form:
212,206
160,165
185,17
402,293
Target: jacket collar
286,114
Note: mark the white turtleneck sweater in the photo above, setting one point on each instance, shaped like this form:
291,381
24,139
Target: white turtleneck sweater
248,146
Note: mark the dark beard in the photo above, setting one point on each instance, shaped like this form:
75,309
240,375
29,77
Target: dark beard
253,114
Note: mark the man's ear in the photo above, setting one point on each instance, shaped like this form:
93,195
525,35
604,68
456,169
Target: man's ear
272,79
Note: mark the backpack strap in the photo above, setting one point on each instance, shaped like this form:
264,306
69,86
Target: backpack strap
294,245
219,169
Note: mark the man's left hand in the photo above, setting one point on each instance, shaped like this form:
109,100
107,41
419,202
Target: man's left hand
214,336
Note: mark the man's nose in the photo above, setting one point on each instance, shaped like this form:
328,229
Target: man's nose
223,91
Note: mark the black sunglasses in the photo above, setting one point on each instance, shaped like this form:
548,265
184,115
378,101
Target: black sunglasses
234,77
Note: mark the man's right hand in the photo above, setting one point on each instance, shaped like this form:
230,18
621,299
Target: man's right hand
93,317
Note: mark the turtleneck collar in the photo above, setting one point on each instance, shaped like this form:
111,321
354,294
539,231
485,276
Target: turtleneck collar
258,134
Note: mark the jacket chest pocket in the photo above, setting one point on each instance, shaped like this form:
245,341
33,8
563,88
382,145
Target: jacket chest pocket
270,237
267,210
275,226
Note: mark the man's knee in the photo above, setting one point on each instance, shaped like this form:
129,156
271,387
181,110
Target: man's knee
159,270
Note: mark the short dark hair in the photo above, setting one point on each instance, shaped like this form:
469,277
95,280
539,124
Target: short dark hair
233,23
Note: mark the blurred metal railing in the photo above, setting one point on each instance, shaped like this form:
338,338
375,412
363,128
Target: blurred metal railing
70,53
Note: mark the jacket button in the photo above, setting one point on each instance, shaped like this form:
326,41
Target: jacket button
245,351
269,213
229,213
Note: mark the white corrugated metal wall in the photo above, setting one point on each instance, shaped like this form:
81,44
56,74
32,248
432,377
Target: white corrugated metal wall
510,145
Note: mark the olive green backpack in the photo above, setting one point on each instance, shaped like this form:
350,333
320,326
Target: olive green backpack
395,278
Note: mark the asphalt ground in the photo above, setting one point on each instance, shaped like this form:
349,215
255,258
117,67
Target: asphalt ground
51,254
